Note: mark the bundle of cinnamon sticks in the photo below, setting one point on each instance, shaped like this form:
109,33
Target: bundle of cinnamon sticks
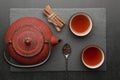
53,18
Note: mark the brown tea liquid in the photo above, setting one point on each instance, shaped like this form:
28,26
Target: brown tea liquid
80,23
92,56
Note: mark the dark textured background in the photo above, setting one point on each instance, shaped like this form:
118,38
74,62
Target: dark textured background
113,30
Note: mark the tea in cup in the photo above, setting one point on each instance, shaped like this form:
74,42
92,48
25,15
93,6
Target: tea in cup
92,56
80,24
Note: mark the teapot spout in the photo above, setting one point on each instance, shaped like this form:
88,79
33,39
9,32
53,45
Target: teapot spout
55,40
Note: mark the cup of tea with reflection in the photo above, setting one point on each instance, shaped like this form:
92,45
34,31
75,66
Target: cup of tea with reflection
80,24
92,56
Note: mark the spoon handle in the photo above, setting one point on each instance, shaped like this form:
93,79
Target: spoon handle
66,70
66,60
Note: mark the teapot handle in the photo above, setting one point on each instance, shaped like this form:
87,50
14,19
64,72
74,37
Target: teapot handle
28,66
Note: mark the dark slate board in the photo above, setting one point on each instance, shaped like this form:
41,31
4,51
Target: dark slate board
56,61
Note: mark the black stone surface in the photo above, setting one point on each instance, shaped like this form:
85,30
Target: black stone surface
113,39
56,61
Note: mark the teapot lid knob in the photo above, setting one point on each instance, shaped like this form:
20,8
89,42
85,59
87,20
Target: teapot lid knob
28,41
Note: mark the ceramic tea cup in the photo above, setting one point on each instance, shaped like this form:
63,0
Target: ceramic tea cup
92,56
80,24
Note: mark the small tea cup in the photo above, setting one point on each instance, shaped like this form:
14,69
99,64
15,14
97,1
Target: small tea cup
92,56
80,24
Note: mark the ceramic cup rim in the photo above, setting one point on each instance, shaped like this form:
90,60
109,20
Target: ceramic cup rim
83,33
97,65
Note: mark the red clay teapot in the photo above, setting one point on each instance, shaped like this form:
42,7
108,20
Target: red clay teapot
29,41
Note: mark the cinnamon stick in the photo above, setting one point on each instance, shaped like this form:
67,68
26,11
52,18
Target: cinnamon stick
53,18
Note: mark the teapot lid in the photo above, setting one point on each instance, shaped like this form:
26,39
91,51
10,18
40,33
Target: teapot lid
27,41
